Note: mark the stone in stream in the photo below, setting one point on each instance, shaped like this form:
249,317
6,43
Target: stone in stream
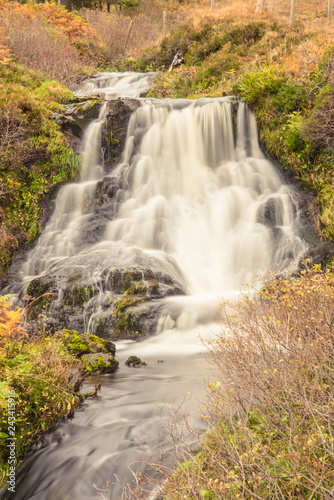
100,363
97,355
134,362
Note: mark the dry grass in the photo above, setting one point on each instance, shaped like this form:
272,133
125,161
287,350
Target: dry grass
146,29
114,27
46,38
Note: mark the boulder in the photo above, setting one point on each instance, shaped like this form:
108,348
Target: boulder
100,363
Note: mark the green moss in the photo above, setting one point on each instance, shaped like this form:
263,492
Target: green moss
102,345
78,295
75,344
100,365
133,361
126,321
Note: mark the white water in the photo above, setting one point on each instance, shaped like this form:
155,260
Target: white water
198,194
112,85
196,197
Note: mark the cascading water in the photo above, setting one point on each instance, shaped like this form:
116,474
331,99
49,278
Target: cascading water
196,201
196,197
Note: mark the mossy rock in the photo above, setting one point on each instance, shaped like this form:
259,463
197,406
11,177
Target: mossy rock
100,362
136,289
121,280
80,344
153,286
76,343
100,345
134,361
42,292
78,295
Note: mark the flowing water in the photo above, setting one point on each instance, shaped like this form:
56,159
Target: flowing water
197,199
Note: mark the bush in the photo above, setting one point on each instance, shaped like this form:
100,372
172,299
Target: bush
273,407
39,371
46,38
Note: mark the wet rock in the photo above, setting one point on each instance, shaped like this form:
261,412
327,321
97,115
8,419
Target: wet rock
309,217
114,133
318,255
271,213
87,291
134,361
100,362
75,118
76,379
40,293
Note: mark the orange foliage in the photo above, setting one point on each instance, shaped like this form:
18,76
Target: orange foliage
4,49
56,16
11,323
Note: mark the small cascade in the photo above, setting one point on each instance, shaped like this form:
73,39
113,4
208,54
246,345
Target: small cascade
112,85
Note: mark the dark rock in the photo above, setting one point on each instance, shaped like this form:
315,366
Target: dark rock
318,255
271,213
119,112
134,361
309,217
75,120
76,379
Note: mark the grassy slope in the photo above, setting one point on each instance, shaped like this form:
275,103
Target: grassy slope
285,75
35,156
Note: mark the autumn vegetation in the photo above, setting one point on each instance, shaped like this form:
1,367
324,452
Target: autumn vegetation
271,413
41,372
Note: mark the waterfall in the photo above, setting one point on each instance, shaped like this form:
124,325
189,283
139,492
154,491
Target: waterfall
204,196
194,198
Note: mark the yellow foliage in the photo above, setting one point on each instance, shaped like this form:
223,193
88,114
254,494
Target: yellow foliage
11,323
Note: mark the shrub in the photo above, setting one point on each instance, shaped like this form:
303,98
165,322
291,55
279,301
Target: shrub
47,38
272,410
39,370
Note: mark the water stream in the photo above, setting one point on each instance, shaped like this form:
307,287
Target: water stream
196,199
